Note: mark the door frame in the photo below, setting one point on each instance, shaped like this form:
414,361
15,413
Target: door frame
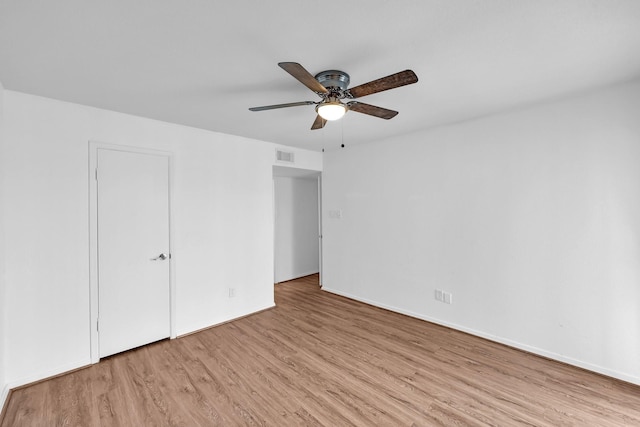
320,229
94,146
296,173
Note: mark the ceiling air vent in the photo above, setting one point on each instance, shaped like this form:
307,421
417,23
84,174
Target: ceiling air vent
284,156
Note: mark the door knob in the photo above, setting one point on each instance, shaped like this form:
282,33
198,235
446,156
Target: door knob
160,257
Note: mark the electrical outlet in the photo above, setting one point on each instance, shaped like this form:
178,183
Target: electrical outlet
232,292
448,298
442,296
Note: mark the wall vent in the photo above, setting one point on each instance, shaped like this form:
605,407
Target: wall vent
284,156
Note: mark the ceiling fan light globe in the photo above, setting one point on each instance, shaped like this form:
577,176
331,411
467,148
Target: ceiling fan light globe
331,110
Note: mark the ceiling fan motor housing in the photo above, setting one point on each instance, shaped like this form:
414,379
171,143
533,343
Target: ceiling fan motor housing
333,79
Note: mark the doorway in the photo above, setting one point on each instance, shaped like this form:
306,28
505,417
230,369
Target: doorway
297,223
131,260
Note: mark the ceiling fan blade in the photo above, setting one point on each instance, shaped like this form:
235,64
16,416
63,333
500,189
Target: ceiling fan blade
273,107
318,123
372,110
393,81
303,76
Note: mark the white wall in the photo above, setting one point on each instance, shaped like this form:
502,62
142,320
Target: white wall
296,227
530,219
3,305
223,226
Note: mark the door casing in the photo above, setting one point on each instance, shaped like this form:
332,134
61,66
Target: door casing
94,146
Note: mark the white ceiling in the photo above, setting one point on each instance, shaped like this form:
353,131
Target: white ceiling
203,63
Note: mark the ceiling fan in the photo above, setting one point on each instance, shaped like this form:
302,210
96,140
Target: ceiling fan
332,87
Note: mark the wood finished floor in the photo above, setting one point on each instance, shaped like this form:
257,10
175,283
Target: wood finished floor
319,359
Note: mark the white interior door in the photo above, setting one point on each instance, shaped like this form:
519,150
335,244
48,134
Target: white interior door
133,249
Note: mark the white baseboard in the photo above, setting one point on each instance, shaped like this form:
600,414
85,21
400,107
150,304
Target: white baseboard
3,399
44,375
192,331
540,352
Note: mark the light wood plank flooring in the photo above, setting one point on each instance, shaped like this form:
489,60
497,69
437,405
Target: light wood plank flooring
319,359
